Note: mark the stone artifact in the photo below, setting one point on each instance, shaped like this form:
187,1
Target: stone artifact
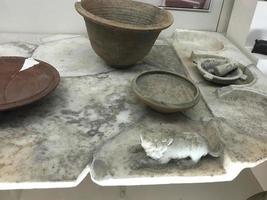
165,91
224,69
220,70
24,81
164,147
122,32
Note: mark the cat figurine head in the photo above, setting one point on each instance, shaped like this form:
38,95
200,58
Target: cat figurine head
155,144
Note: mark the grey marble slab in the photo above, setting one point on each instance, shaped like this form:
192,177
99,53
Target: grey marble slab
235,115
51,143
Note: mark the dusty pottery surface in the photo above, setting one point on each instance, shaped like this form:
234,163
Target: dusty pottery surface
122,32
24,81
165,91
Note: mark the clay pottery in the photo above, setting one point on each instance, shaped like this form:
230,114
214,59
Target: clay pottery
19,88
166,92
122,32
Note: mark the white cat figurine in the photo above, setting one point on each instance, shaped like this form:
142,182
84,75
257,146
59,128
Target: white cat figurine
164,147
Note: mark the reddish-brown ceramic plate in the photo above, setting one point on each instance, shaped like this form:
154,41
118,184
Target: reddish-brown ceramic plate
21,87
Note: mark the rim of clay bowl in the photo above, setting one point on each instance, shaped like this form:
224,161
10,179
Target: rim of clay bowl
37,96
106,22
217,79
166,107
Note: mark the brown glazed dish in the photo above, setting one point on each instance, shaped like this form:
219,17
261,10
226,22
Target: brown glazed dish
19,88
122,32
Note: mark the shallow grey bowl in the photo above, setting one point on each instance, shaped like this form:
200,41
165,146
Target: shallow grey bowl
205,64
166,92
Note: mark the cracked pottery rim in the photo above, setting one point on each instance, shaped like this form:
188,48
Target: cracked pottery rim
115,24
38,96
166,108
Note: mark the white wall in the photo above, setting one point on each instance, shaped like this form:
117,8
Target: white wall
59,16
48,16
240,22
258,28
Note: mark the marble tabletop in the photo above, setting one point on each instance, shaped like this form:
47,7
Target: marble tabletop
93,118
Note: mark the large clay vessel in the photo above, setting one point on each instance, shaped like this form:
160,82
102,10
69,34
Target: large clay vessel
122,32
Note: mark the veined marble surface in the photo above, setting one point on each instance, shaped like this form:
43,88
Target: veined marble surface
51,143
235,115
93,119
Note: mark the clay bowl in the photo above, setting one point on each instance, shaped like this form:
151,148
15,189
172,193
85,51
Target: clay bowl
166,92
122,32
